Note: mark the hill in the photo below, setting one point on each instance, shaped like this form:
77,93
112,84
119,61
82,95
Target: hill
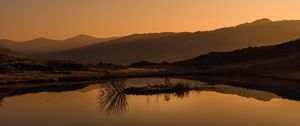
280,61
8,52
44,45
181,46
12,64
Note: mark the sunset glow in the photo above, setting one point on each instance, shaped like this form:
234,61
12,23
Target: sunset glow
59,19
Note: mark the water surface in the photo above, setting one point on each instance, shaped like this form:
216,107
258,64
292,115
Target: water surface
225,106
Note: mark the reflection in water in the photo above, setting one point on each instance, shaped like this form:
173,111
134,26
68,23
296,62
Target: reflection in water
287,89
163,105
112,100
15,91
113,94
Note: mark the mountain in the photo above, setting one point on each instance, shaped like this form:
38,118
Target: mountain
8,52
4,43
37,46
83,40
180,46
11,64
119,51
282,61
44,45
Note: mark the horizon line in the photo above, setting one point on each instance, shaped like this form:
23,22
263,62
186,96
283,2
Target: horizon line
115,36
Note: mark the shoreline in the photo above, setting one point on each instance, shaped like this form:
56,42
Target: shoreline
289,89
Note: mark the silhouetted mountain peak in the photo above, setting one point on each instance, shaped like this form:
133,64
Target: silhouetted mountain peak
81,37
144,36
262,21
158,47
41,39
44,45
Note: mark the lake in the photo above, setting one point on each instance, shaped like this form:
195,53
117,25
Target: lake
88,106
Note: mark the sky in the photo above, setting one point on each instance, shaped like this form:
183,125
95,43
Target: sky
58,19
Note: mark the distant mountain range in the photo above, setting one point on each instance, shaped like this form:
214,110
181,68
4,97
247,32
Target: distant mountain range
14,63
44,45
8,52
158,47
281,61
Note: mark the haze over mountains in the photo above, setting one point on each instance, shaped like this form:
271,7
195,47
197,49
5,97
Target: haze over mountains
8,52
44,45
280,61
158,47
248,56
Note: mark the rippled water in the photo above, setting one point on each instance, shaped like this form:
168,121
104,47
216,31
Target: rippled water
225,106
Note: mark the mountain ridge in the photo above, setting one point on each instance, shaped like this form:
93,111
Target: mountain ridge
43,45
180,46
281,61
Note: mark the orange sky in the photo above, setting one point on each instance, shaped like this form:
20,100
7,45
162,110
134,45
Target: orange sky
58,19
